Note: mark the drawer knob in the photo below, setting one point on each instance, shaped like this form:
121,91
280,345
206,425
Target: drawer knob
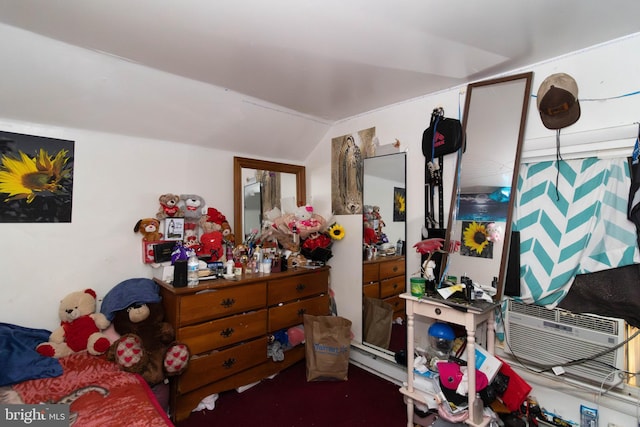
438,311
226,333
395,286
395,268
300,287
228,302
229,363
301,312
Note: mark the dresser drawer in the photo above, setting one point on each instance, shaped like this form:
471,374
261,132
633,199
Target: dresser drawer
393,286
391,268
296,287
370,272
291,314
371,290
217,303
397,303
206,369
223,332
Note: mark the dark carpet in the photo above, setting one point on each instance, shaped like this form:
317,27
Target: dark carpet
288,400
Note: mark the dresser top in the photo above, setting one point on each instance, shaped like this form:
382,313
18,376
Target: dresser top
220,283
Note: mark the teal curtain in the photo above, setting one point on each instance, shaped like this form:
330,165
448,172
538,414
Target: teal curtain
572,218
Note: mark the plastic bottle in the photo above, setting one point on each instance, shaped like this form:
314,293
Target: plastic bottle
192,270
478,409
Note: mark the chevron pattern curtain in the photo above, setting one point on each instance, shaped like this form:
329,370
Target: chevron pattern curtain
572,218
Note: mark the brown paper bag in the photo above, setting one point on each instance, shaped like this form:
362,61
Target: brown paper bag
327,345
377,319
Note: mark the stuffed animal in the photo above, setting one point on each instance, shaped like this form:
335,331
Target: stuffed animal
80,327
149,228
307,222
147,343
193,207
169,206
212,238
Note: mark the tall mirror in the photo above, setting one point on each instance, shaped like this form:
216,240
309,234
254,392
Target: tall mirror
384,231
259,186
484,190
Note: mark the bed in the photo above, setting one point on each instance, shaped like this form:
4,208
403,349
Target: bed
97,391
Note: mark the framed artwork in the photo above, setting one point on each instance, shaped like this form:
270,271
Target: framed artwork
347,152
174,228
36,178
399,204
474,240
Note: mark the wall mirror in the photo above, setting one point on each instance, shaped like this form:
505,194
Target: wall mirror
260,185
484,188
383,197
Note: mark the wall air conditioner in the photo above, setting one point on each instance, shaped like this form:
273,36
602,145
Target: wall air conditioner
554,337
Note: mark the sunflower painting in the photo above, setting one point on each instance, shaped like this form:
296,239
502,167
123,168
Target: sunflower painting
399,204
36,178
474,240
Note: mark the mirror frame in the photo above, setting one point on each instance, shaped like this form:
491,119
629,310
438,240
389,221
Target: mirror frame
527,77
243,162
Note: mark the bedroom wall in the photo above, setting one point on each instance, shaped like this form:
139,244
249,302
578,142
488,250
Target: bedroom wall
117,180
602,72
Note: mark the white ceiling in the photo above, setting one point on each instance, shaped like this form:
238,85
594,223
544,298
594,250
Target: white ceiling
250,68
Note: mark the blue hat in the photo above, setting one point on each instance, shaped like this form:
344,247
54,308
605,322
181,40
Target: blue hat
127,293
442,330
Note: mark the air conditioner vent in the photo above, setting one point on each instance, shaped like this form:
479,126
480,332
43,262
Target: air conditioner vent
545,337
532,310
595,323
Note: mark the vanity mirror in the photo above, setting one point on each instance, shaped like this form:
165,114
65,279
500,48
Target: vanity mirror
260,185
484,189
384,183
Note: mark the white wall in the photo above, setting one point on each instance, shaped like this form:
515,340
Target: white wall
602,72
117,180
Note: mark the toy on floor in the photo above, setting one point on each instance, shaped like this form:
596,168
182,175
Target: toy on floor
147,343
80,327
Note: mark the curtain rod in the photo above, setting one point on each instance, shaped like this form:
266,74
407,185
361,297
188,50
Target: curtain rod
612,141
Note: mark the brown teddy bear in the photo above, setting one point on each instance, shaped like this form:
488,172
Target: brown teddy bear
147,343
169,206
149,228
80,327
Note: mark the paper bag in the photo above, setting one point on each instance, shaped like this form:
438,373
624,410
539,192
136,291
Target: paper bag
378,321
327,345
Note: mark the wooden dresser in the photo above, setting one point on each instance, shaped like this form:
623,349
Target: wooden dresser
384,278
226,324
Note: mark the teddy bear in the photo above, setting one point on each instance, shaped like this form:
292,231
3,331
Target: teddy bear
146,345
169,206
191,238
149,228
193,207
212,238
80,327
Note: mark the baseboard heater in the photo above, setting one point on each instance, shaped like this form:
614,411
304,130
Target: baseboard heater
541,337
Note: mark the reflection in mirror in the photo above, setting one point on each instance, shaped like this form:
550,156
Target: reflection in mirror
279,184
384,183
252,212
494,121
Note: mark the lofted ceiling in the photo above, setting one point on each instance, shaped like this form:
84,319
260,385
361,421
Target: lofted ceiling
268,78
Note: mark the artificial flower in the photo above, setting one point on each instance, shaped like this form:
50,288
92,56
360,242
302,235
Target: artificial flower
336,231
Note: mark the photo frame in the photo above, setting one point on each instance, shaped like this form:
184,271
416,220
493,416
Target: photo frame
399,204
173,228
36,180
